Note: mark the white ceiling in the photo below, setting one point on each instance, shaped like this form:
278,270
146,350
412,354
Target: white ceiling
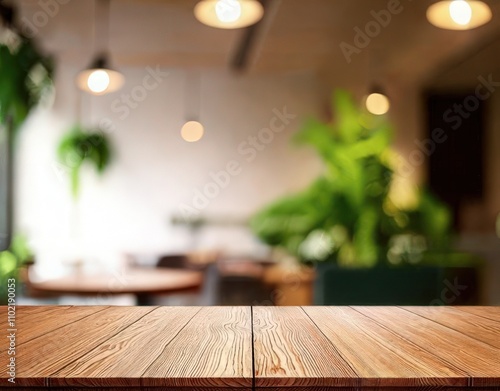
295,36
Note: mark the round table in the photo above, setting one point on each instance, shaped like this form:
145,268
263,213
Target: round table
142,282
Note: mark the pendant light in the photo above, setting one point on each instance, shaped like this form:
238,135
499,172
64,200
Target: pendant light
228,14
192,130
99,78
459,14
377,101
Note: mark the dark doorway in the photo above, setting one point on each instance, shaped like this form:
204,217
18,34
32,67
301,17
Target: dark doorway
456,167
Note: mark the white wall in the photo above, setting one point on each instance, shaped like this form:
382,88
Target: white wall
155,171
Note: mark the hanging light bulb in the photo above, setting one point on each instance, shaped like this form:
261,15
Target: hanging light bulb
192,131
228,11
377,102
99,78
228,14
98,81
459,14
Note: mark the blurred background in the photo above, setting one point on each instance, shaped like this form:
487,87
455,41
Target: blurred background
294,186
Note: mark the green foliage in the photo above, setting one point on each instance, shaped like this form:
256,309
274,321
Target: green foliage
25,75
347,215
79,146
18,254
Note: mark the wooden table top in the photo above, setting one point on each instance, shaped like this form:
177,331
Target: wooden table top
133,280
266,348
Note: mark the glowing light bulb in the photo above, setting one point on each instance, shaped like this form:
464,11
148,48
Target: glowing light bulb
98,81
228,11
192,131
377,104
460,12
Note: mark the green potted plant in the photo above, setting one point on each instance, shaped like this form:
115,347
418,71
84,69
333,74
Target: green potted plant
368,246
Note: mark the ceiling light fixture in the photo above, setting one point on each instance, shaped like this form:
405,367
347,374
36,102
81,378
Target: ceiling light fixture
377,103
99,78
192,130
228,14
459,14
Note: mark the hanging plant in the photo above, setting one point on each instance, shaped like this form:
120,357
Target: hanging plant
80,146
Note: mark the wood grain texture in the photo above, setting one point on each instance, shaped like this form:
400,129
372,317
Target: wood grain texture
492,313
423,388
290,350
39,358
35,309
122,359
479,360
213,350
379,356
33,325
260,348
69,388
259,389
477,327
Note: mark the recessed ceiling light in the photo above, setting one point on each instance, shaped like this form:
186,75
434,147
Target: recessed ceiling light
228,14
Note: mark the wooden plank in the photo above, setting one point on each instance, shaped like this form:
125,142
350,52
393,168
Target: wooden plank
213,350
132,389
121,360
423,388
260,389
35,309
492,313
49,353
290,351
210,348
32,326
140,388
480,328
478,359
379,356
